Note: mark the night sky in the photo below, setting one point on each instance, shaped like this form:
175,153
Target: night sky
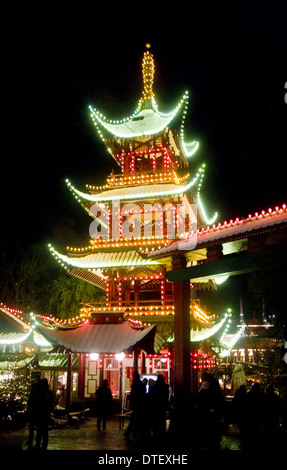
59,57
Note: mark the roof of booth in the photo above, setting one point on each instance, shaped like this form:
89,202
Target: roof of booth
101,338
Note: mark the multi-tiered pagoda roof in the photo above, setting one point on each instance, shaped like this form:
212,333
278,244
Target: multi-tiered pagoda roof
154,169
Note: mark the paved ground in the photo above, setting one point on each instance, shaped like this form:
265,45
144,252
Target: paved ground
87,437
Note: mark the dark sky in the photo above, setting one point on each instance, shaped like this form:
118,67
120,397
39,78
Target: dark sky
58,57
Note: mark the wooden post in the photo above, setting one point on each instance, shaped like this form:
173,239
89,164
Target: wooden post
143,366
182,361
135,359
69,380
136,293
101,375
81,376
182,336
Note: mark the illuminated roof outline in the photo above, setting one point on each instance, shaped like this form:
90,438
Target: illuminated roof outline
222,231
147,119
102,260
136,192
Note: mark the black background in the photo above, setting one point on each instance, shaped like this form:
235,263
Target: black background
58,57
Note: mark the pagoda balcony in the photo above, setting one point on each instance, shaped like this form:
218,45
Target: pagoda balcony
142,308
140,177
132,307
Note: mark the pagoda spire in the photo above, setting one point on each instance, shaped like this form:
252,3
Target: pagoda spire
148,78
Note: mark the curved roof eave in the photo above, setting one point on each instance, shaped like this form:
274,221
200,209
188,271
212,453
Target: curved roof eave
159,190
200,335
101,339
142,122
104,260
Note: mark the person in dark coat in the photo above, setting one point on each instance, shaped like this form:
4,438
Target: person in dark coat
31,408
209,413
137,401
44,407
271,416
239,414
254,413
158,402
104,400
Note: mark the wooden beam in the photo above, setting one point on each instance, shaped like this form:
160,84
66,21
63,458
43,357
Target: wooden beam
229,265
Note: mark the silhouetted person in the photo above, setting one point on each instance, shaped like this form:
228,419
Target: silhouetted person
271,414
254,412
209,413
145,382
31,408
103,404
239,413
158,402
44,407
137,401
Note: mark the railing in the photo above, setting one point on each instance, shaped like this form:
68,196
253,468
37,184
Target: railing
139,307
143,307
130,303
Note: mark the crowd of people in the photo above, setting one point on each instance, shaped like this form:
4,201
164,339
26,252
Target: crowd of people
148,419
202,418
257,415
196,422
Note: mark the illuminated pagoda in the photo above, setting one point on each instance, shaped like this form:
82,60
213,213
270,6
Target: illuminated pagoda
152,201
